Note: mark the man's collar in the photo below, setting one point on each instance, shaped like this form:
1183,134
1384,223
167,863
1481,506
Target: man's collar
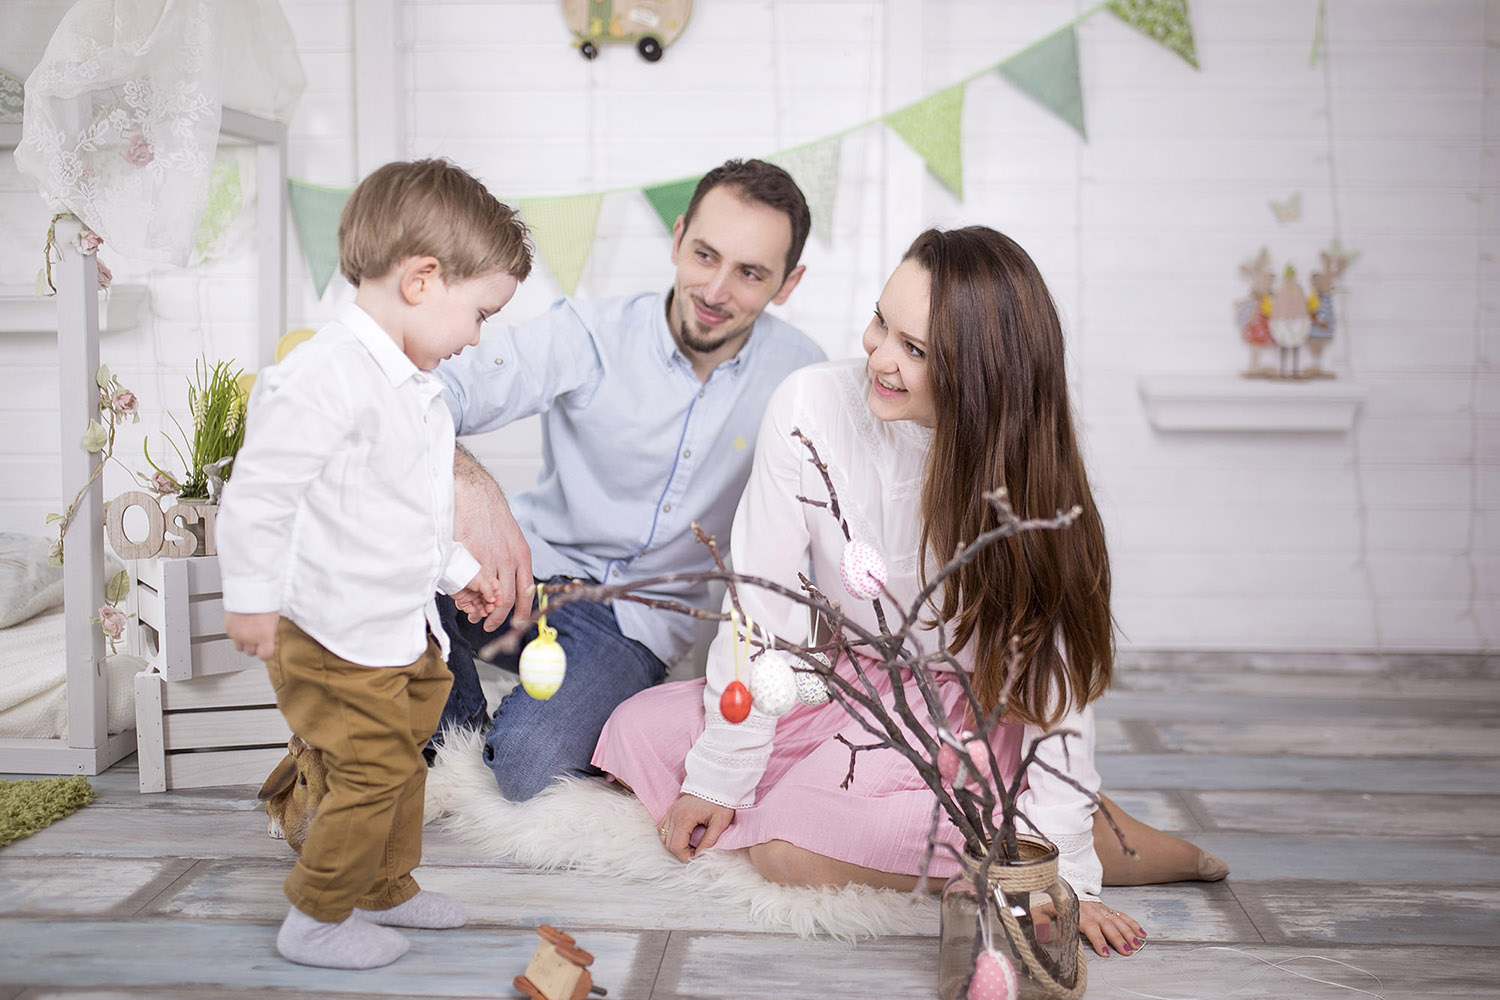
392,362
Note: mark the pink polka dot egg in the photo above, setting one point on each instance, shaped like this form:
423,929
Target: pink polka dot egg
862,570
994,978
949,759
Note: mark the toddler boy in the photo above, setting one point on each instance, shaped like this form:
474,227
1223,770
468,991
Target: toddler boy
337,528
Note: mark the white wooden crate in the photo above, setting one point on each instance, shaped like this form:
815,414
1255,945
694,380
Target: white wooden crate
223,729
179,626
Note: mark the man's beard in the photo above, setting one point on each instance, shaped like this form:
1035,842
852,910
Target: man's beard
701,345
697,343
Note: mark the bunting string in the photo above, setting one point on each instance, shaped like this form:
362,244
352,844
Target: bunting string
563,226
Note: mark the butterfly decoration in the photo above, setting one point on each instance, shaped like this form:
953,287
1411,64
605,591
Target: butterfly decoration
1289,210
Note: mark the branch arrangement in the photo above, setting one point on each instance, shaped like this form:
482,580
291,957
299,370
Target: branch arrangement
959,767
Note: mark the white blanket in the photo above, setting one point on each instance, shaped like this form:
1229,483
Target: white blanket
34,681
589,826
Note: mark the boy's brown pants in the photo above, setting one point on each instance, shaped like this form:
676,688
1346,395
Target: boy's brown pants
371,724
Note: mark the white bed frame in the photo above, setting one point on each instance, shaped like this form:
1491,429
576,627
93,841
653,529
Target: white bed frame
89,748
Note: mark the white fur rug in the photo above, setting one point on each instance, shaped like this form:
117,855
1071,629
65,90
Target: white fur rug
588,826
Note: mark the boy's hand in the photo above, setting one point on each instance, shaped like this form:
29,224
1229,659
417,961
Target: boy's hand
478,599
253,634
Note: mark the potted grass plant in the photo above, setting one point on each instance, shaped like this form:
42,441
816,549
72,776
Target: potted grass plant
216,399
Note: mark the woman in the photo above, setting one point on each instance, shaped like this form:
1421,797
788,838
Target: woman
963,390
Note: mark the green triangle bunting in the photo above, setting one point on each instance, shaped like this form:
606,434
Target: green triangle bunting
671,199
315,213
563,231
815,168
1164,20
931,127
1048,71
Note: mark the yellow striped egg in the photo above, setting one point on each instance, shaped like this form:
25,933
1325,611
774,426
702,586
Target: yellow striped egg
543,666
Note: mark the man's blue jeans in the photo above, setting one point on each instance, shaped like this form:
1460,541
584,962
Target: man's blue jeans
531,742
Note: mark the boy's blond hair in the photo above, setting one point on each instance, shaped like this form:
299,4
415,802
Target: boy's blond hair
429,208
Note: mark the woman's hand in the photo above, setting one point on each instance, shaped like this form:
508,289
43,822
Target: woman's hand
1105,928
687,814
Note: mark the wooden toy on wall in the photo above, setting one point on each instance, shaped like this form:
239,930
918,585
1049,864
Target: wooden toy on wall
649,25
1320,304
1288,318
1254,313
1289,322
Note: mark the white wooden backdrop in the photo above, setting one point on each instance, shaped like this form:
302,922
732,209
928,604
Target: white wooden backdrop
1384,538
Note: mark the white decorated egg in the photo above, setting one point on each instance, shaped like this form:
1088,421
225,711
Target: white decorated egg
543,666
862,570
994,978
773,682
812,689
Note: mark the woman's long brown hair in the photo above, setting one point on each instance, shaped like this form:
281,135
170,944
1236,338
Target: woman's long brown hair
996,374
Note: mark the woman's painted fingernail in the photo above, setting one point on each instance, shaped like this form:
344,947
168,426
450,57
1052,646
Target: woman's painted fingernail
1138,942
1125,950
1104,951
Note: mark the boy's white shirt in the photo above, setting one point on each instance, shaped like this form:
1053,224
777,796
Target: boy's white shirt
339,508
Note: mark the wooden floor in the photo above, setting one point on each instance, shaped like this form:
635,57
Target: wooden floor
1357,800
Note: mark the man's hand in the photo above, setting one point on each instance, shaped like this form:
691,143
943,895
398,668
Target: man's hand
483,523
687,814
253,634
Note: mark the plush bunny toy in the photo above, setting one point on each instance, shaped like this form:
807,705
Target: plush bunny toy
293,791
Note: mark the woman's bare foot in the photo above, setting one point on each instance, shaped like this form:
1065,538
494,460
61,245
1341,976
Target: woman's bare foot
1160,857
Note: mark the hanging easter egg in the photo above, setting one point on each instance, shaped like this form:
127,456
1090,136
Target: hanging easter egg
977,768
734,703
543,666
979,759
947,763
773,682
863,570
812,689
994,978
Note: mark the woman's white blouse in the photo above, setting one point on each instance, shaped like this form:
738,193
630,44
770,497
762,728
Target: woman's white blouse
877,469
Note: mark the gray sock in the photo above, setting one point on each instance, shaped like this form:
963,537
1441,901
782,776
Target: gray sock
351,944
430,910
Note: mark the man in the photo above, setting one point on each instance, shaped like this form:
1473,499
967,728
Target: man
650,407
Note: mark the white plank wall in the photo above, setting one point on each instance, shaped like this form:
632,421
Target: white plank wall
1387,538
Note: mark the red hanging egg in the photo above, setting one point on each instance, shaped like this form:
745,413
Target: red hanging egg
734,703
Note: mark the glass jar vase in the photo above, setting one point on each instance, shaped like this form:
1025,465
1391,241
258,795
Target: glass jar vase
1026,918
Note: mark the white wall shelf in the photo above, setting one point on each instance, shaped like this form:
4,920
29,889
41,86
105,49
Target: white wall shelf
23,311
1218,403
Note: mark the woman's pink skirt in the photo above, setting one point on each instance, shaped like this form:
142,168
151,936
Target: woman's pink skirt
881,821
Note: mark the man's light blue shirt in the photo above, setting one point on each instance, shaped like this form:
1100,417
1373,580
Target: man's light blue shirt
634,447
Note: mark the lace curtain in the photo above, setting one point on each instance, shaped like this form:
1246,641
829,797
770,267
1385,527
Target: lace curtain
121,116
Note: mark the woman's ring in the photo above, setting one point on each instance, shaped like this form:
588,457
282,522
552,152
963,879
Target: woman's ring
1107,913
662,832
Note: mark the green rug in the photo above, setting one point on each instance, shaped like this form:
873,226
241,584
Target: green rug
27,806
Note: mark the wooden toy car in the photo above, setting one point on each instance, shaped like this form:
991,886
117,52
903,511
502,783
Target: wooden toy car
558,969
651,25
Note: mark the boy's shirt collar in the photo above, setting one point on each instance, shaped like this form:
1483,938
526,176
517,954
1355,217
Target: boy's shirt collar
389,358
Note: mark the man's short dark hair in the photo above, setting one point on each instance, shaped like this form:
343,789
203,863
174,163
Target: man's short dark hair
767,184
